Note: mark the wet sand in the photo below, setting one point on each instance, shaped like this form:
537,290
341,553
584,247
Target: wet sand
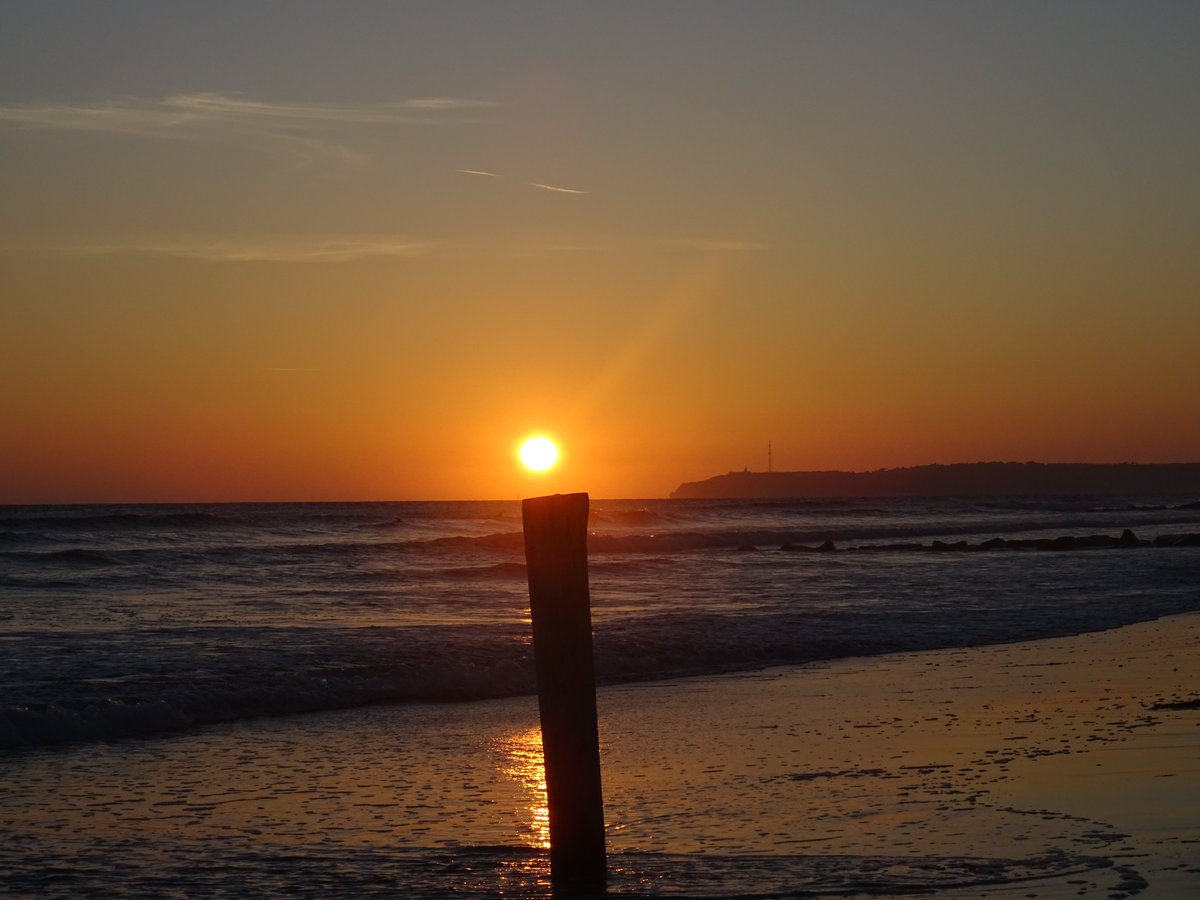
1048,750
1028,770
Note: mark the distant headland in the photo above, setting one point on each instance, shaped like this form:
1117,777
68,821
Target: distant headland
1005,479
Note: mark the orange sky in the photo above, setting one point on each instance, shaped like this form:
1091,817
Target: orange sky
364,264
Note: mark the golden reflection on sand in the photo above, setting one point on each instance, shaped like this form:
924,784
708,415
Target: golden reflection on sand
522,761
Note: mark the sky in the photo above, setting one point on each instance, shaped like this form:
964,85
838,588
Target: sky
281,251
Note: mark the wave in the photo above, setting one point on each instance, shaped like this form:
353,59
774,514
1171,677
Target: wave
73,557
497,570
147,867
508,541
855,539
671,525
262,673
119,632
518,570
641,516
120,684
388,524
22,537
607,536
117,521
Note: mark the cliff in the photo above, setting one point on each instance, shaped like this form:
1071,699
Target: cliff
1028,479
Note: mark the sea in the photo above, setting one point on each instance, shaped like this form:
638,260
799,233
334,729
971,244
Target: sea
133,625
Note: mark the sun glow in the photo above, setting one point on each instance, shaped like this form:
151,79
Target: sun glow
538,454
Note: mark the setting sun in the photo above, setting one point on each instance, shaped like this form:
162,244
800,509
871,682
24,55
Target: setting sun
539,454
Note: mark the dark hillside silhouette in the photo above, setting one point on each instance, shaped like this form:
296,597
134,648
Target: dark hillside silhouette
1009,479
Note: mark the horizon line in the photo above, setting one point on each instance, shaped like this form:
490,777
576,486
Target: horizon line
667,497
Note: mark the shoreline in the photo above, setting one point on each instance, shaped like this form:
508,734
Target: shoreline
992,750
1012,770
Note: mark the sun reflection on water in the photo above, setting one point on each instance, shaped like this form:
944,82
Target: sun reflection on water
522,761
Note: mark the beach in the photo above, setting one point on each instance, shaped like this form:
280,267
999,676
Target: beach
855,338
1034,769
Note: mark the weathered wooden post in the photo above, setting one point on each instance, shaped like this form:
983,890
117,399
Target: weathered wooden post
560,607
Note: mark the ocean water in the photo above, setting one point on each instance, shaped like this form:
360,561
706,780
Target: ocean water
121,621
129,626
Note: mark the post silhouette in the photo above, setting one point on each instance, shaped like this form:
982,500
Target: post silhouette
560,607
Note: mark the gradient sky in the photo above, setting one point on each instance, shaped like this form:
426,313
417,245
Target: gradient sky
315,251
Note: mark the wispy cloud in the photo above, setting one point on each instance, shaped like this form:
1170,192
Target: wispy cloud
537,184
447,103
557,190
229,117
276,250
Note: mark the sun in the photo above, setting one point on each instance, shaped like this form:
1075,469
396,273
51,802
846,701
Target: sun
539,453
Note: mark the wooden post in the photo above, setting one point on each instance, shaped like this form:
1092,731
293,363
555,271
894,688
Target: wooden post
556,560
